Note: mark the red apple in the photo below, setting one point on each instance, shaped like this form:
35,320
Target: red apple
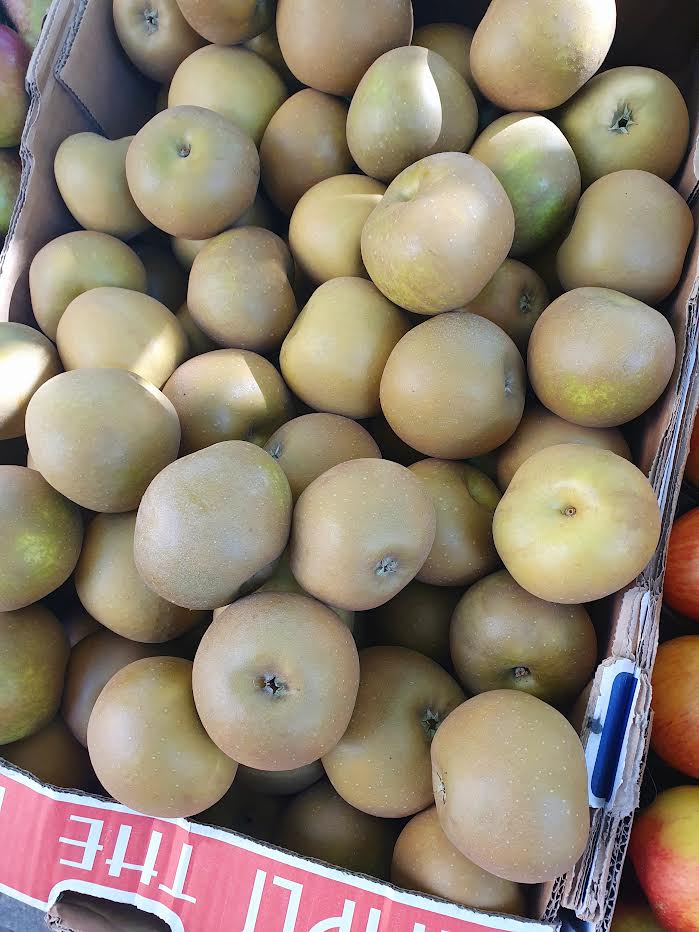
675,734
682,571
665,853
14,58
10,173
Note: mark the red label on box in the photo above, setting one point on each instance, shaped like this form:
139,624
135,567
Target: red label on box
197,878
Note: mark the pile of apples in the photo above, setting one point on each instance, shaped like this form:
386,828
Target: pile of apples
321,475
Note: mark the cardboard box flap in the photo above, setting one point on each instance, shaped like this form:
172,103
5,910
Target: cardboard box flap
196,877
116,99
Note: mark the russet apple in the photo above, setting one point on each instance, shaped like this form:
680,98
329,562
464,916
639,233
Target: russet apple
192,172
439,234
576,523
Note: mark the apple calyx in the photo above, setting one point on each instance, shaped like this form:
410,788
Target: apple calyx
622,120
430,722
386,566
520,672
272,685
183,150
525,303
570,511
150,17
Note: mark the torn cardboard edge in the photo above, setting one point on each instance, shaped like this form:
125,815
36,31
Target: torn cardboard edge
73,73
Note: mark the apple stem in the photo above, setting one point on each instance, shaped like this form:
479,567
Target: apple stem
276,451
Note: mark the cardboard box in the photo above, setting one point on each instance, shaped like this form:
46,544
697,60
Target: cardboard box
199,878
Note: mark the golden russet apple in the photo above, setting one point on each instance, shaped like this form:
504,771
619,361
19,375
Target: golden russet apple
503,637
266,45
576,523
228,22
310,445
599,358
278,577
424,859
91,177
537,56
319,824
259,214
228,394
210,521
275,680
330,47
510,784
234,82
536,166
240,290
155,36
27,360
465,500
629,117
77,262
630,233
439,234
33,656
68,420
197,341
114,328
165,279
514,299
454,386
305,142
42,534
417,617
192,172
335,353
381,765
410,103
371,517
325,229
280,782
540,428
110,588
53,756
453,42
147,745
92,663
